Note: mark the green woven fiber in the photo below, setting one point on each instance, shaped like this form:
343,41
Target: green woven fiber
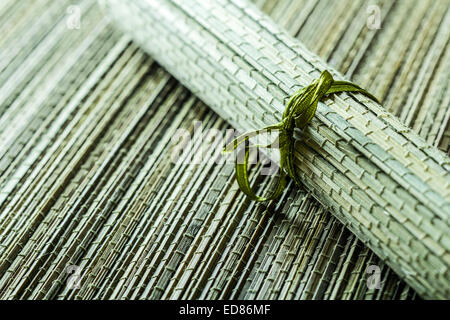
378,177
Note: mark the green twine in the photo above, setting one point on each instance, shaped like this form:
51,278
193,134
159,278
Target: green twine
298,113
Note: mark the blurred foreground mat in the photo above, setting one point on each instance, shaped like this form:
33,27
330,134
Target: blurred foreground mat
88,191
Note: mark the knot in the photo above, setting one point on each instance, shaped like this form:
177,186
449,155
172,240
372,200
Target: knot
298,113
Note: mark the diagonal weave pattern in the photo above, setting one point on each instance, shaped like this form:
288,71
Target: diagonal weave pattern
86,177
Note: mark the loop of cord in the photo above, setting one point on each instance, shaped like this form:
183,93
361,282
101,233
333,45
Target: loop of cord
298,113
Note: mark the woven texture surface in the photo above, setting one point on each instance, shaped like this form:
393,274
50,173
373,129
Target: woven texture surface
380,179
87,180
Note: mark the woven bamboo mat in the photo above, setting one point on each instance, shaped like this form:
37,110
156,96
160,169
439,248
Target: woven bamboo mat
91,205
